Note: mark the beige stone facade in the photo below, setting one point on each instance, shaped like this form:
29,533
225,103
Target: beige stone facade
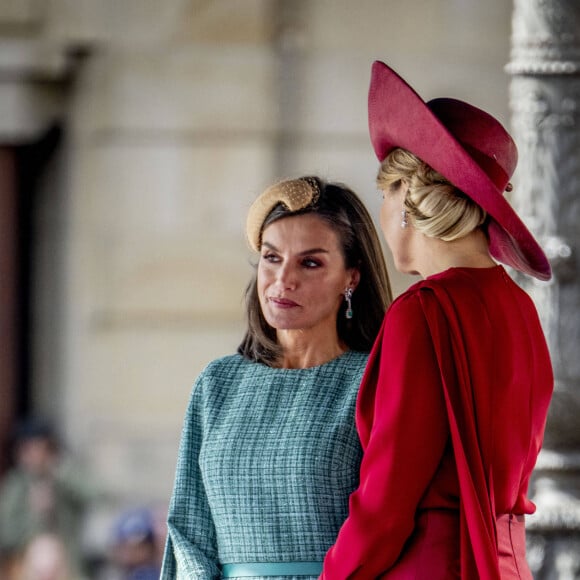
175,114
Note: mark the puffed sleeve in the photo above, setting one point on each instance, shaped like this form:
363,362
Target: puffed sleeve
401,418
190,550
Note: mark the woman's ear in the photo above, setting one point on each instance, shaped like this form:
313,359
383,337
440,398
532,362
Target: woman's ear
354,278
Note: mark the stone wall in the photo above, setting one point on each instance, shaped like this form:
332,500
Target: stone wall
175,115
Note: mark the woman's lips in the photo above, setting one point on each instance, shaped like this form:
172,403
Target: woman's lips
283,302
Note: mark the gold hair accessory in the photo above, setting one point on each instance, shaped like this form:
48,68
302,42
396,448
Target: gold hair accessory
295,194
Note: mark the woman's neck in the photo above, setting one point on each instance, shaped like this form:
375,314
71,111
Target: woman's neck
471,251
301,349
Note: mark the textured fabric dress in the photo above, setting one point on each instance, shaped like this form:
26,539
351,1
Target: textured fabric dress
267,461
451,415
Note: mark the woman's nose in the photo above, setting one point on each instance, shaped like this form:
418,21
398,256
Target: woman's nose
286,276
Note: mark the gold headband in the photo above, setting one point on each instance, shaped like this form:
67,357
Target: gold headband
295,194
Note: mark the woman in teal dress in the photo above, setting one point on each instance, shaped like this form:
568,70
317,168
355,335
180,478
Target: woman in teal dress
269,451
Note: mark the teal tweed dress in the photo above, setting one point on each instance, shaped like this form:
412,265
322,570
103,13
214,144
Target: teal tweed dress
267,461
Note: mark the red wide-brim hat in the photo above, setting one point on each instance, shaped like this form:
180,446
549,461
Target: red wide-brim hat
467,146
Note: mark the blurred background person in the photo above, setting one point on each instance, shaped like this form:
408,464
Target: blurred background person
44,498
138,536
45,558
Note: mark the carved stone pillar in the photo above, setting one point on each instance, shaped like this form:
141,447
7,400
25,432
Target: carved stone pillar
545,103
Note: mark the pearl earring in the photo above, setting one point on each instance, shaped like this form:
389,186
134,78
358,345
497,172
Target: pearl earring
404,222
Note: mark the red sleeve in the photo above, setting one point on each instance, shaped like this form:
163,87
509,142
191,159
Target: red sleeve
402,422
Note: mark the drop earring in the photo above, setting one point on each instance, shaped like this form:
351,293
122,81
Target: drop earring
404,222
348,298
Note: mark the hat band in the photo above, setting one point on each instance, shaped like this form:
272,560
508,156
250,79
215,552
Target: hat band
493,170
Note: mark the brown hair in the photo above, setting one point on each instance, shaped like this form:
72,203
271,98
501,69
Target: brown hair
342,209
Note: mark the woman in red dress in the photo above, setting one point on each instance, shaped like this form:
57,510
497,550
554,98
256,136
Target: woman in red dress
453,404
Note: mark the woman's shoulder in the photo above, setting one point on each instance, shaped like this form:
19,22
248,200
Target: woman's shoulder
220,374
225,365
354,358
346,366
235,367
462,293
409,311
227,361
454,281
409,301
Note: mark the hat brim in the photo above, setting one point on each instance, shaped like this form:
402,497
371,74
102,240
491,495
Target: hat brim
399,117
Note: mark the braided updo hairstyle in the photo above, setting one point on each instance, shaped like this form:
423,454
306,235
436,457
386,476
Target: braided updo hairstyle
435,207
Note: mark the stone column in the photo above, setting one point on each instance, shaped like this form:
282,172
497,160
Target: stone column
289,47
545,103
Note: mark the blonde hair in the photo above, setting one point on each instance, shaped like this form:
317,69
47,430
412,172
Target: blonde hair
435,207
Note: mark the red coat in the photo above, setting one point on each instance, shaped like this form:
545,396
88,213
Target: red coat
451,415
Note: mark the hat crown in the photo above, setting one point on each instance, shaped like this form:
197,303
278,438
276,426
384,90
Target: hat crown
481,135
467,146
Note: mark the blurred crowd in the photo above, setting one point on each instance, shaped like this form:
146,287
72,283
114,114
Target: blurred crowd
46,499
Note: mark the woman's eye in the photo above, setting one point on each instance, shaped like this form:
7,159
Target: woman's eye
310,263
270,258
